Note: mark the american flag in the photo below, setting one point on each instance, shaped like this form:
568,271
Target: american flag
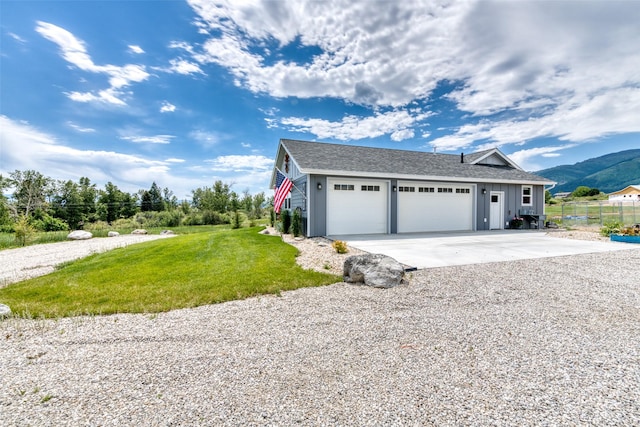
283,186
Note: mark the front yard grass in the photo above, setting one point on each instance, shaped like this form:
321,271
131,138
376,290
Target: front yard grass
166,274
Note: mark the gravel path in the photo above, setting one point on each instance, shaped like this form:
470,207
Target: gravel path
37,260
532,342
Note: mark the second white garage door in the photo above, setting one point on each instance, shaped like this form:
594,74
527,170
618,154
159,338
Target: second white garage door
434,207
357,206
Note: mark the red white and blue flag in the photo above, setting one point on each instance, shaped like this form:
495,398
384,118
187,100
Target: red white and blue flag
283,186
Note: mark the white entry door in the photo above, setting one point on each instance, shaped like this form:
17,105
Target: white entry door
496,210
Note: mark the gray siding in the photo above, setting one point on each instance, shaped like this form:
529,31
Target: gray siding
318,200
512,202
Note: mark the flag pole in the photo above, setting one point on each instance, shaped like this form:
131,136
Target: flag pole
293,185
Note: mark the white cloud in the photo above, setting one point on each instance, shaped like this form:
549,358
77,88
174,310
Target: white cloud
205,138
174,160
59,161
181,66
395,123
547,69
245,145
153,139
74,51
135,49
16,37
241,163
80,128
525,158
167,107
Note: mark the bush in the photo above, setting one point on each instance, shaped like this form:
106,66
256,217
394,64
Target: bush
214,218
24,232
236,220
340,246
272,218
610,228
285,217
296,223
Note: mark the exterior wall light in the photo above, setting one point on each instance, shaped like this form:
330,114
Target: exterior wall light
394,188
484,191
319,186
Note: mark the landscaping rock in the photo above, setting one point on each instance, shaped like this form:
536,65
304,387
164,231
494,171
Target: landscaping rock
167,233
375,270
113,234
5,311
79,235
139,231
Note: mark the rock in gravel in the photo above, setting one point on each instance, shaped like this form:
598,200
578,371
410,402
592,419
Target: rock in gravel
375,270
139,231
167,233
5,311
113,234
79,235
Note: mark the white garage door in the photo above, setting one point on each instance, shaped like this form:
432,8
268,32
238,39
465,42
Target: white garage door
357,206
434,207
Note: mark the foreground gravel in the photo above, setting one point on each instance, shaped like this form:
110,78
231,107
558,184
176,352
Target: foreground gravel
533,342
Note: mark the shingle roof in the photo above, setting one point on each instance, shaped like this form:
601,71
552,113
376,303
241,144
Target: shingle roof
325,158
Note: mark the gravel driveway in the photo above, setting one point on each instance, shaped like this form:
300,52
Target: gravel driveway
36,260
531,342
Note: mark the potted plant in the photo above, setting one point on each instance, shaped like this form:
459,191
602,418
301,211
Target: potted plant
516,223
627,234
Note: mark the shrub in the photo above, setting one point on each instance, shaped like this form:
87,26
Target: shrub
340,246
296,223
285,216
236,220
214,218
23,231
272,218
610,228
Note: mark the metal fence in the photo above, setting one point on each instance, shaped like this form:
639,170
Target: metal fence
594,213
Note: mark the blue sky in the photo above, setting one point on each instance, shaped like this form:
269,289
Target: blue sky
184,93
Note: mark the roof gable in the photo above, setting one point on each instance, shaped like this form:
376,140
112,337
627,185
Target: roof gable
630,189
351,160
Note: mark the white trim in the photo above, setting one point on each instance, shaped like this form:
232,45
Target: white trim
530,195
377,175
500,154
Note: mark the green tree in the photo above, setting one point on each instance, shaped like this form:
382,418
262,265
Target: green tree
115,204
581,191
31,190
258,203
89,196
67,204
146,203
157,202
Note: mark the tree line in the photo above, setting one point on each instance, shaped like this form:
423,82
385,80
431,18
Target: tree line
55,205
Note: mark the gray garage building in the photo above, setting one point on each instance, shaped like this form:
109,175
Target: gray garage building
346,189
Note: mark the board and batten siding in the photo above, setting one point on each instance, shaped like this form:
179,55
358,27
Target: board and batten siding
512,202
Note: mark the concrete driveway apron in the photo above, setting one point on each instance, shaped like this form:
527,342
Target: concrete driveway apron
428,250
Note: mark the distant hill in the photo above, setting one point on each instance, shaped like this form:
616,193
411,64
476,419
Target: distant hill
607,173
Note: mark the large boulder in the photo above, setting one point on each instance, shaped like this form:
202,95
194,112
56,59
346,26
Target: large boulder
139,231
5,311
79,235
113,234
376,270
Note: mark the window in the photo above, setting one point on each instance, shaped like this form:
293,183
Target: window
462,191
407,189
527,195
370,188
426,190
445,190
343,187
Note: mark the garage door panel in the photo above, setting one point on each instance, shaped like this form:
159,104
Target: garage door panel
434,207
357,206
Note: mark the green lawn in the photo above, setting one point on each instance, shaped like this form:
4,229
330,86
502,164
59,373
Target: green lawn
183,271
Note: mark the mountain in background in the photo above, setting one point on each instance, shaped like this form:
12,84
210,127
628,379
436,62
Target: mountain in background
608,173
